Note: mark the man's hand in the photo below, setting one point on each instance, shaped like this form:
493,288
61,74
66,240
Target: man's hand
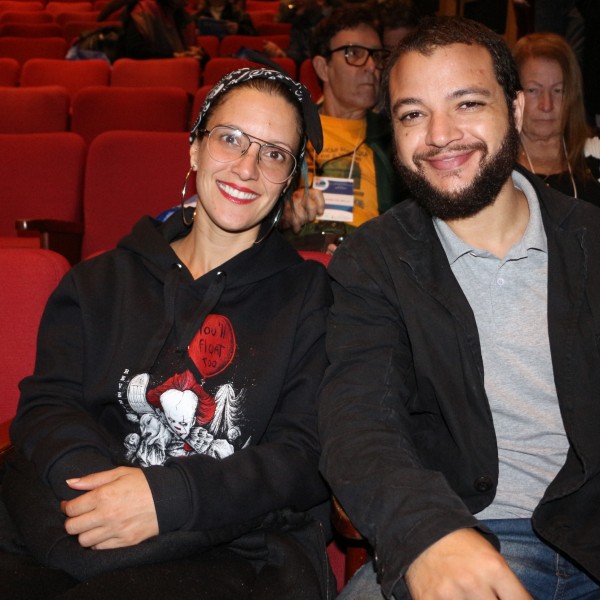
463,565
302,209
117,510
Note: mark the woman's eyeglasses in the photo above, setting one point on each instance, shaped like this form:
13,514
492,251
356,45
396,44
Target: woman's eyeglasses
357,56
226,144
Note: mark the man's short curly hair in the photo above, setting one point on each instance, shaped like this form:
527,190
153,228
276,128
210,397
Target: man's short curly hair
341,19
436,32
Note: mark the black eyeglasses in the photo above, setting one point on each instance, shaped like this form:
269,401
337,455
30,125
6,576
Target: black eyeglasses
226,144
357,56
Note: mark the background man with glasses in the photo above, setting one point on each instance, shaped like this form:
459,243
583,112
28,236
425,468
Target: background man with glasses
348,57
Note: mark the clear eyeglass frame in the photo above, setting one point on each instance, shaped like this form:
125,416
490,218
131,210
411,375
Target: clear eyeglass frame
224,148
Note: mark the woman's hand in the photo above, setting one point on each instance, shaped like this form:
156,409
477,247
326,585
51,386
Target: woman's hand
117,510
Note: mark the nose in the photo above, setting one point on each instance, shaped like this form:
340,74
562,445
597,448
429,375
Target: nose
370,65
442,130
246,166
545,102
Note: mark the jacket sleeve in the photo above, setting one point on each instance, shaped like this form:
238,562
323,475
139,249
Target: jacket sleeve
368,394
52,427
281,470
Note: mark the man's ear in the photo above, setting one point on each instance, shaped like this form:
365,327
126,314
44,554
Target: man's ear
320,66
518,108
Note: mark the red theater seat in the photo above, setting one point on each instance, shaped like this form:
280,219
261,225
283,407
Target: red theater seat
34,110
97,109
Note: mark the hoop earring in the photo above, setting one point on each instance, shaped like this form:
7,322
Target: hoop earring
273,224
186,223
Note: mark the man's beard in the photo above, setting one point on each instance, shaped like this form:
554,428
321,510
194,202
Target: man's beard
481,192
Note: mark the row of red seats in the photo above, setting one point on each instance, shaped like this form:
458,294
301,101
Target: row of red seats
271,6
71,30
260,11
89,97
88,196
181,72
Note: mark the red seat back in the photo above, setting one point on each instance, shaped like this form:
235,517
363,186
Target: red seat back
25,16
130,174
266,5
34,110
28,277
31,30
268,28
176,72
97,109
10,70
42,177
73,75
55,8
261,16
73,29
209,43
309,78
76,16
24,48
20,5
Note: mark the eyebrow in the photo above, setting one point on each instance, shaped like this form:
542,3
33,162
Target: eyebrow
536,82
479,91
282,144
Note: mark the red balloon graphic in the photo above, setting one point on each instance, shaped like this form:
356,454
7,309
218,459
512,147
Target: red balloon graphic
213,346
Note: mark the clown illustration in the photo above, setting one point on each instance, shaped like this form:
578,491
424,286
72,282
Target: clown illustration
178,417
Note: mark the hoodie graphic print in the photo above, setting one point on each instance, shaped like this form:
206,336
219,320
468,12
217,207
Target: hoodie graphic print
182,415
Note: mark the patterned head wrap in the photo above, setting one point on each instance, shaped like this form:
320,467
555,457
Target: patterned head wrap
310,113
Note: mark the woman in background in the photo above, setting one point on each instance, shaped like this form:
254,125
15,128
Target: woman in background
556,142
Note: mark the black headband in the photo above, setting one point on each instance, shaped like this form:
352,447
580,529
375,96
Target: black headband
309,110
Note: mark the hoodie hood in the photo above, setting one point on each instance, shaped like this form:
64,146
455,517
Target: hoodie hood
188,301
150,240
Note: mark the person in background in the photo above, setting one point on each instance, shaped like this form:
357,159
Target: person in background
348,58
166,444
303,16
222,17
459,414
397,18
155,29
556,142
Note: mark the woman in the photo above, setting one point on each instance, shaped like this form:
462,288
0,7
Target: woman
171,414
555,141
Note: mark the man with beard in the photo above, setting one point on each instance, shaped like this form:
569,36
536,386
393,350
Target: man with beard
459,415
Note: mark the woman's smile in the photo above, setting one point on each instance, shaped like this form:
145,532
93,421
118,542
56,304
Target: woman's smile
237,194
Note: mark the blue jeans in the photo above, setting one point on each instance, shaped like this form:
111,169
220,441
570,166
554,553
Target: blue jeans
546,574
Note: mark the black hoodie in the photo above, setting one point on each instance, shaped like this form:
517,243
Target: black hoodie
208,385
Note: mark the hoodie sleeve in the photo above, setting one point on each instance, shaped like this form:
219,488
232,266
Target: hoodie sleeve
52,427
281,470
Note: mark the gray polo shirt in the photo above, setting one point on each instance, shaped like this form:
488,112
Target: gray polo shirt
509,300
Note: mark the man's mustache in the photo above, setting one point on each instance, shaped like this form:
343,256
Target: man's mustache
429,154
